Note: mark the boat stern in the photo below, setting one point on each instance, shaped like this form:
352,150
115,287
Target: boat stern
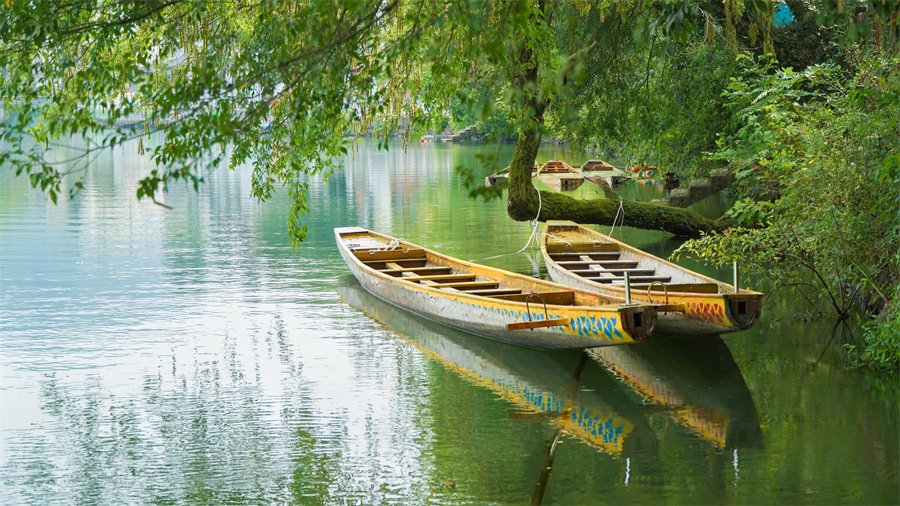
743,309
639,321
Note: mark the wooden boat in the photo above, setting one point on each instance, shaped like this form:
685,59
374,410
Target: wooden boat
588,260
503,176
560,175
489,302
596,170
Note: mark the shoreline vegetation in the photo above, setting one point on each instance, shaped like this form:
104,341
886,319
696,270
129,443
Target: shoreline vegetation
798,100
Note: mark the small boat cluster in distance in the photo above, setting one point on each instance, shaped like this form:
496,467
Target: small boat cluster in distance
561,176
603,293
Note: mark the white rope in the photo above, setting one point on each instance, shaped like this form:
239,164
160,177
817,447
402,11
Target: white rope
568,244
390,247
616,219
534,224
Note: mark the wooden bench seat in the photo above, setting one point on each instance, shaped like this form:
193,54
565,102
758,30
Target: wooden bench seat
439,278
470,285
554,248
435,284
616,264
422,271
680,287
493,292
551,298
631,272
401,262
395,254
593,255
632,279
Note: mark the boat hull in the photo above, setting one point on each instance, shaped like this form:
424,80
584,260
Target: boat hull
709,321
560,176
596,171
701,314
603,324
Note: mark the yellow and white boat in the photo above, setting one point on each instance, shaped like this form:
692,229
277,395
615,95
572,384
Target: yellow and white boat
597,170
560,175
582,258
489,302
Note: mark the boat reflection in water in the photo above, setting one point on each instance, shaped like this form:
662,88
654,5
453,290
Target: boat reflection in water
587,401
694,382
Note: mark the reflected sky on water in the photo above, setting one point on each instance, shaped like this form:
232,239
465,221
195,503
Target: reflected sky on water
191,356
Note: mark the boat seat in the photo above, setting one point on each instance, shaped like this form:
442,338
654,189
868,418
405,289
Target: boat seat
404,263
423,271
394,254
579,247
493,292
591,255
682,287
471,285
551,298
463,286
435,284
632,279
631,272
614,264
438,278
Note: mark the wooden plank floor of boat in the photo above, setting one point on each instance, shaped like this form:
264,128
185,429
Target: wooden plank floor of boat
397,263
600,262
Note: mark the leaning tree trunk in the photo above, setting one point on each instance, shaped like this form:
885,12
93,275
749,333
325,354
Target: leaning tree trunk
523,202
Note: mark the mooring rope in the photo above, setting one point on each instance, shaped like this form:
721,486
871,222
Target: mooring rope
568,244
534,224
390,247
616,219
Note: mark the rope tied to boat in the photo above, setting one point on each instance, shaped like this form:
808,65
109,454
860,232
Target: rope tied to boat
394,244
533,223
567,243
616,219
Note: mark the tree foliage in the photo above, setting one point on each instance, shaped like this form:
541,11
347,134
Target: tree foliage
288,84
816,159
281,83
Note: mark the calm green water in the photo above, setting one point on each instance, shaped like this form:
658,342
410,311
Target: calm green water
192,357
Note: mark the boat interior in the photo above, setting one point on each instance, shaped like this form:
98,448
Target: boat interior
415,265
607,263
559,173
596,165
556,167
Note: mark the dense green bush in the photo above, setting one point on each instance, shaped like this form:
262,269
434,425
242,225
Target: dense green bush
816,160
881,346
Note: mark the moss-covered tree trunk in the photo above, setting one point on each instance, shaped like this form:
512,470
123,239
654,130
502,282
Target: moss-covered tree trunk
523,202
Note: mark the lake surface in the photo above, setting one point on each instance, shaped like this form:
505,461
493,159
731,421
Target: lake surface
190,356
